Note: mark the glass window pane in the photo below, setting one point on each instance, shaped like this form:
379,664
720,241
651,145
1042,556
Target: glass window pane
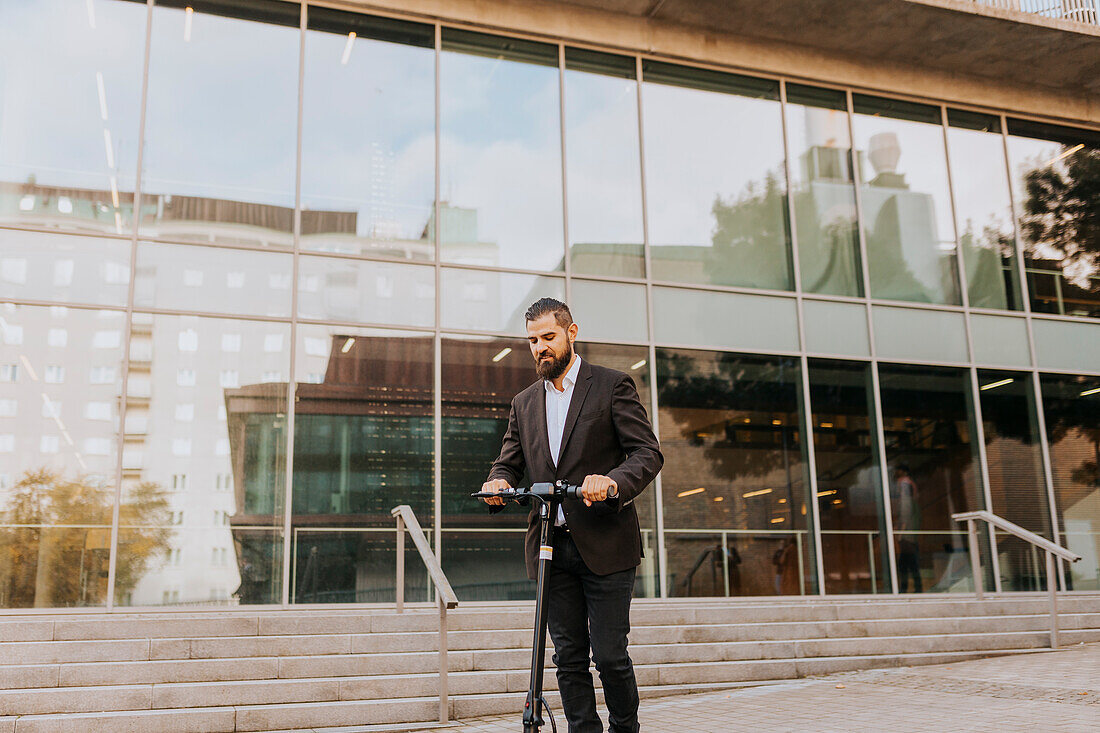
358,290
927,335
606,310
368,136
1054,180
1071,412
493,301
983,211
1016,482
1066,345
835,328
849,484
906,208
71,77
932,461
999,340
64,268
717,195
603,168
734,479
480,378
500,152
212,279
59,437
823,191
762,322
221,124
363,444
222,472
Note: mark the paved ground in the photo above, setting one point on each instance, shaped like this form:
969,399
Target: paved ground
1047,691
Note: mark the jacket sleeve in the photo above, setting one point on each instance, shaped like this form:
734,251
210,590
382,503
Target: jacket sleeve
643,453
510,464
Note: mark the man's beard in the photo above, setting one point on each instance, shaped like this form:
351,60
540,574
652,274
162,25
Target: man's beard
555,366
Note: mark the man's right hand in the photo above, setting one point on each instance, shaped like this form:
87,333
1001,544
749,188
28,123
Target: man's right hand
494,487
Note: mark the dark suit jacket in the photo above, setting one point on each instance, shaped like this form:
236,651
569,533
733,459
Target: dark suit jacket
606,432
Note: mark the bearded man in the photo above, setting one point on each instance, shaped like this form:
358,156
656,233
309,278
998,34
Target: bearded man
584,424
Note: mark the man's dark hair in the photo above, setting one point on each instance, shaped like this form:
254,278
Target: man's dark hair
542,306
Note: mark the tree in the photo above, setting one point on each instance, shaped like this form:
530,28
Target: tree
56,550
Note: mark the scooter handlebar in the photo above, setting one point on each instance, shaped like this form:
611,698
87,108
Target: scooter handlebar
543,491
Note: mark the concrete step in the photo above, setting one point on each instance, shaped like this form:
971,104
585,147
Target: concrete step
310,645
649,644
320,714
653,663
516,616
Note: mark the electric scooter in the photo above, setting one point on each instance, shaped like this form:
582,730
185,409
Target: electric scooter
549,498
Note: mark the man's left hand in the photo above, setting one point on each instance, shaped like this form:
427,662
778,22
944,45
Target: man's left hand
597,488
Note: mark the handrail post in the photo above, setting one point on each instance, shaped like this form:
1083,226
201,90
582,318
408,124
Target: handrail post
1052,588
975,557
400,584
443,711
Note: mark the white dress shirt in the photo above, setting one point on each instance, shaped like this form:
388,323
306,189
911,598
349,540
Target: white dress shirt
557,407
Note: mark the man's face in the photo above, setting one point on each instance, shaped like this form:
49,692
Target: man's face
551,345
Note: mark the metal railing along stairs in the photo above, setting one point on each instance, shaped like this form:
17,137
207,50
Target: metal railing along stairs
445,595
1052,549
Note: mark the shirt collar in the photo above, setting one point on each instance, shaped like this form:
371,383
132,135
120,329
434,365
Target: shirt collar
568,380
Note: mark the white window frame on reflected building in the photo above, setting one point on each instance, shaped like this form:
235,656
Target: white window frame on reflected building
567,278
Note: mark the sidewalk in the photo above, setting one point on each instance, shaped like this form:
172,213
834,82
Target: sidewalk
1049,691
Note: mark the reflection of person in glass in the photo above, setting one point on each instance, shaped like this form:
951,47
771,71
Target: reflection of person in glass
907,513
585,424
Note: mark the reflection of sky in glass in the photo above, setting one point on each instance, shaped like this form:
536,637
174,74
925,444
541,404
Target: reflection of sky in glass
53,54
922,161
979,182
222,113
602,159
702,145
501,159
368,134
982,202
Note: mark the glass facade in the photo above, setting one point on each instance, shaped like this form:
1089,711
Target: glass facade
245,313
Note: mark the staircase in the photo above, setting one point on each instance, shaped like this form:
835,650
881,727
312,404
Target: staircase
215,671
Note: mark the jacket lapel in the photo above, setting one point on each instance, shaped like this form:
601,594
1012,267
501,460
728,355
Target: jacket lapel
580,391
542,441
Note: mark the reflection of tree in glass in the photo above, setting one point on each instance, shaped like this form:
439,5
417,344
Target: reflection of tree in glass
750,236
57,552
984,254
1061,216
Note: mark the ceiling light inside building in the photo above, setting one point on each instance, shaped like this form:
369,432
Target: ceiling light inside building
347,49
761,492
347,345
994,385
689,492
102,95
1071,151
1087,392
501,354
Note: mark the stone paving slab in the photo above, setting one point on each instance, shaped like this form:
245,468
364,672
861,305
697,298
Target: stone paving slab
1055,691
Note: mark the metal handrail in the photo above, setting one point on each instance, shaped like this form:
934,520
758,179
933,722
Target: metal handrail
445,595
1051,549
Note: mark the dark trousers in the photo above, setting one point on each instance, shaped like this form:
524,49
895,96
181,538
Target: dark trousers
589,611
